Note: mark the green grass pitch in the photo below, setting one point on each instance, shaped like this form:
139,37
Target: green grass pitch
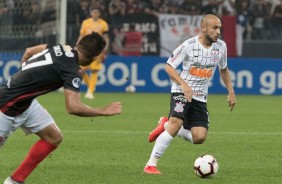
113,150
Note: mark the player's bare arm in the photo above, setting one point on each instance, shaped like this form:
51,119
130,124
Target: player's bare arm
30,51
225,75
187,90
76,107
79,38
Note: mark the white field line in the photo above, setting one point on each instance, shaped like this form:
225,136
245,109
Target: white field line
146,132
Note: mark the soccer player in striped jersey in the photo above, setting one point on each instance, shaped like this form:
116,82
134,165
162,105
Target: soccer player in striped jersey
46,68
188,117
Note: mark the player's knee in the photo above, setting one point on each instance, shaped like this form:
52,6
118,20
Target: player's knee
199,139
2,141
176,123
56,139
3,138
174,126
59,138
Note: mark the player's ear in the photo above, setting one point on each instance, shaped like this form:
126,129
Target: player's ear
204,29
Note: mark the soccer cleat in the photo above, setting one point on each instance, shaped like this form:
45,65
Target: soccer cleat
9,180
89,95
158,130
151,170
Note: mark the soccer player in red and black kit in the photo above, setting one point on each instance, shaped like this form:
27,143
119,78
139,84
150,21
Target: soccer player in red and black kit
46,68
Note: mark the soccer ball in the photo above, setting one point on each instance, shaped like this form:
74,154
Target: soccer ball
205,166
130,89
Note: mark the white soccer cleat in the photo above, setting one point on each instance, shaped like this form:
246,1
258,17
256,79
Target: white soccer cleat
9,180
89,96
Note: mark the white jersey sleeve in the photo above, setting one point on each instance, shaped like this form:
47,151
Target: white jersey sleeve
223,60
178,56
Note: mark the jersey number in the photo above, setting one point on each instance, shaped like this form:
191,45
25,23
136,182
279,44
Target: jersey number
46,61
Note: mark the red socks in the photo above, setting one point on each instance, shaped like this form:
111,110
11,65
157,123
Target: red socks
38,152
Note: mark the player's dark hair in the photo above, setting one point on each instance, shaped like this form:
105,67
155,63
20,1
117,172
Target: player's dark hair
91,45
95,8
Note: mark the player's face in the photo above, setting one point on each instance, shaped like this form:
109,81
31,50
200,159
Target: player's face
213,30
95,14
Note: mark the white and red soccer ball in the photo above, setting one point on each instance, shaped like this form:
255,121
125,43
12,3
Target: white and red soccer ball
205,166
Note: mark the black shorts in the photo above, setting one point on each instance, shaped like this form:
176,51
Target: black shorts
194,114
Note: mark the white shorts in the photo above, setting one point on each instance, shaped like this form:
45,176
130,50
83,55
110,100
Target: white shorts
34,119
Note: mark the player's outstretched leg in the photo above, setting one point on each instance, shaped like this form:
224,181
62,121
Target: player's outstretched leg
9,180
158,130
161,144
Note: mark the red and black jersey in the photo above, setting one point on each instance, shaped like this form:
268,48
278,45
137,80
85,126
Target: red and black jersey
55,67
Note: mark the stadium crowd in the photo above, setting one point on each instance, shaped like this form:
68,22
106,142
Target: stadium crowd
259,19
262,19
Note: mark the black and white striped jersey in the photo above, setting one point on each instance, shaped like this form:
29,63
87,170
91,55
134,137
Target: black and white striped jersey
198,65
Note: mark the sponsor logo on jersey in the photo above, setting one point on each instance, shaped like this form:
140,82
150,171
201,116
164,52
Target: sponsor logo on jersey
180,98
200,72
58,51
76,82
179,107
215,55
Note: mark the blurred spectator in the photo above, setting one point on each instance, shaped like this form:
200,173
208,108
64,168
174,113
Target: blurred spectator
48,21
102,6
132,42
190,7
117,40
172,7
18,12
32,15
227,7
276,21
210,8
3,9
33,12
134,6
260,15
6,15
242,24
117,10
83,10
155,7
73,22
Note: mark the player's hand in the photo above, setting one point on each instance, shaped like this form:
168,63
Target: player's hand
112,109
187,90
231,99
